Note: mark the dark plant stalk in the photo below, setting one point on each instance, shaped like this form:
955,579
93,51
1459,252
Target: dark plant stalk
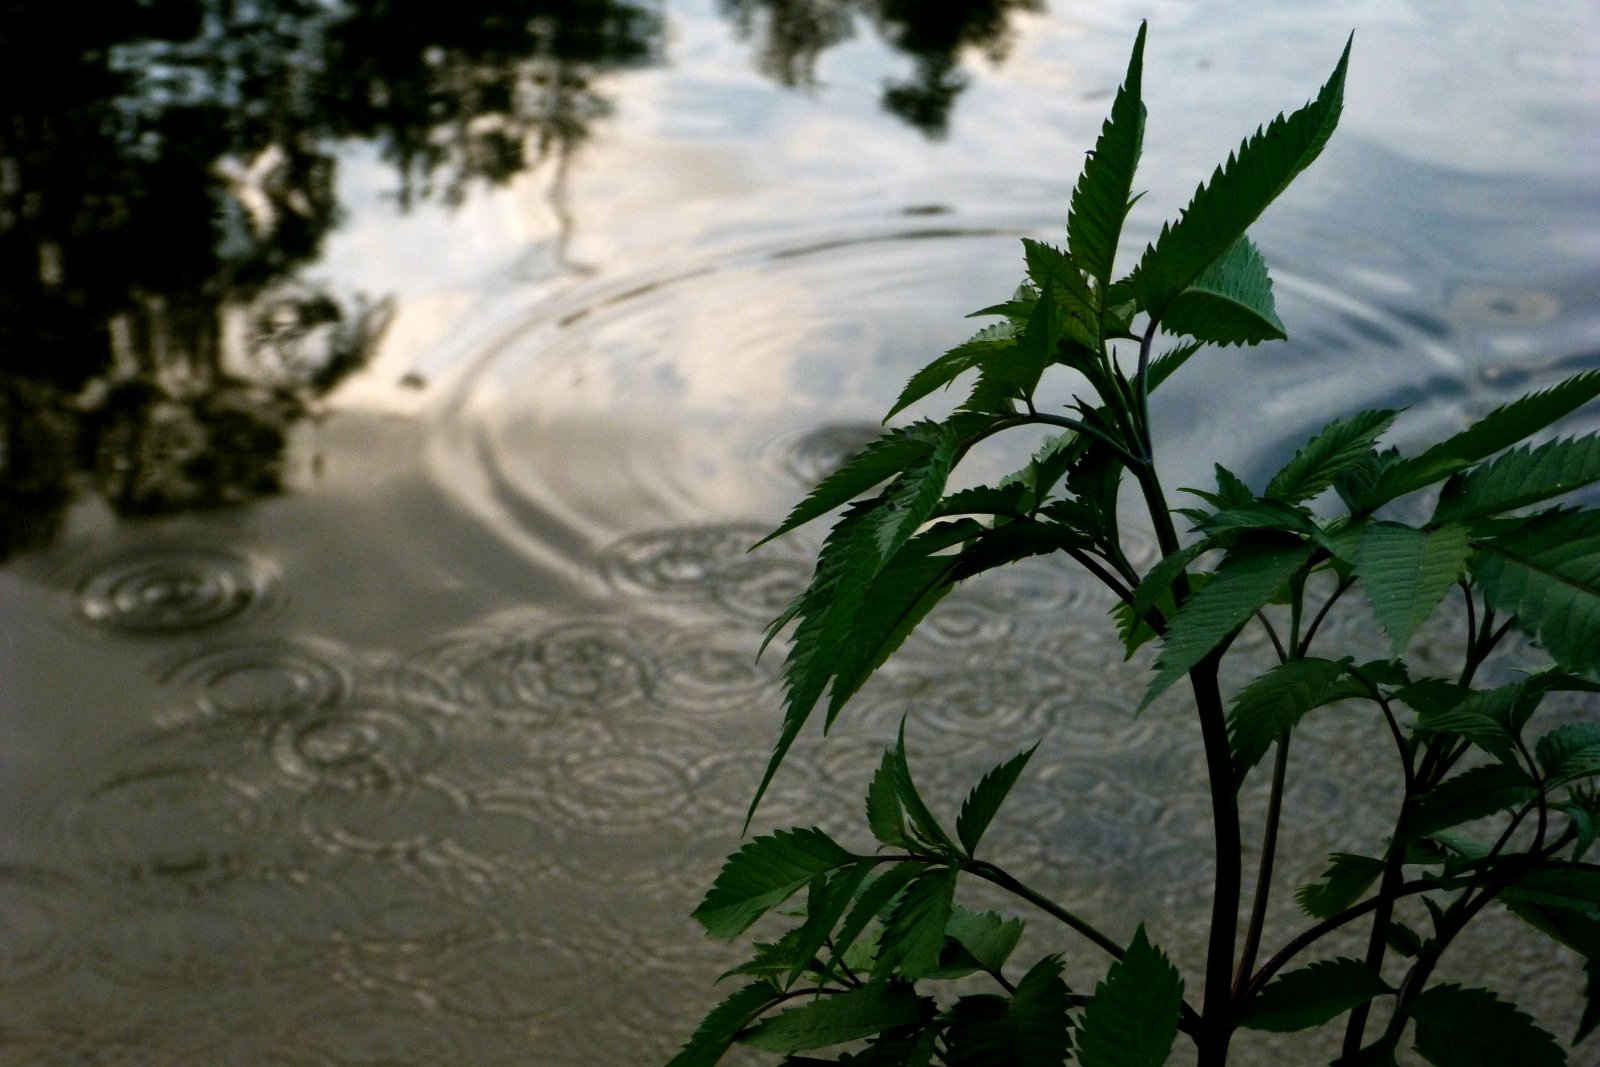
1312,934
1269,848
990,873
1216,1029
1322,613
1378,940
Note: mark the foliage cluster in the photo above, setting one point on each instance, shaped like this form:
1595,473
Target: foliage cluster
1496,807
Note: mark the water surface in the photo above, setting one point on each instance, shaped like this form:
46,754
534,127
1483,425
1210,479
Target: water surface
379,675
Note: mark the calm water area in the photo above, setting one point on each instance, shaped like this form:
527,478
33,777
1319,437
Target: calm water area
389,393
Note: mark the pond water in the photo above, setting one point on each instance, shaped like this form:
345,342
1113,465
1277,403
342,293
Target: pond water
390,396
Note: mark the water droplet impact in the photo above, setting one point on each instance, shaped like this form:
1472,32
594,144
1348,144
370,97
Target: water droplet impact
262,681
34,936
167,589
584,667
813,455
170,826
357,747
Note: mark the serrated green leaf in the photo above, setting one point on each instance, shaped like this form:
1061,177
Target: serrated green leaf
831,893
832,1020
1038,1015
827,612
1547,574
1341,885
1500,429
895,602
1239,191
1459,1027
1059,279
1133,1018
1247,579
923,824
763,874
1520,477
876,463
1169,362
1481,717
1579,932
1403,939
978,1032
1407,572
873,901
1569,752
1340,446
985,936
1155,591
914,933
716,1033
1576,888
910,500
885,817
985,799
985,344
771,960
1105,188
1009,499
1310,996
1275,702
1230,303
1256,515
1470,795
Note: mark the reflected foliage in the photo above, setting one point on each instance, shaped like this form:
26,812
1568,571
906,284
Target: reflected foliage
792,35
167,167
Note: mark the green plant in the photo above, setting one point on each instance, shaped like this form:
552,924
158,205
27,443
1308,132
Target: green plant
1491,810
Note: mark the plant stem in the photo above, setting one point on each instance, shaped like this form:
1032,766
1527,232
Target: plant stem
1269,848
990,873
1216,1028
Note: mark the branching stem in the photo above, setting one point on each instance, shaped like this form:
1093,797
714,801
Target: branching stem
1269,848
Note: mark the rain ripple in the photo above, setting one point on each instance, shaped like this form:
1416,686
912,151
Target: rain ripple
175,588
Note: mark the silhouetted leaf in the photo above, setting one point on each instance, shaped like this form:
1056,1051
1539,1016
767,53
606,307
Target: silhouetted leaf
985,344
1133,1018
831,893
831,1020
1407,572
1270,706
1230,303
985,936
885,817
1470,795
1338,447
1500,429
1520,477
717,1032
1239,191
1312,995
985,800
914,933
1348,876
1547,574
1246,580
1459,1027
1569,752
763,874
1105,189
873,901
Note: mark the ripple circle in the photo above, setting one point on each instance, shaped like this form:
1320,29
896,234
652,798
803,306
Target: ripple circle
174,589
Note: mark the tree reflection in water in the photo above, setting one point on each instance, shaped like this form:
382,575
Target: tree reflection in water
167,170
793,34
